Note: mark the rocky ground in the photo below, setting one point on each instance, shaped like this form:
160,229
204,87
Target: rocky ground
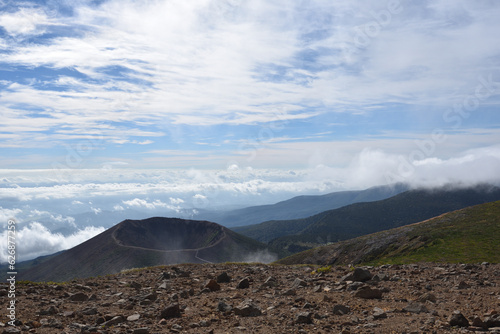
255,298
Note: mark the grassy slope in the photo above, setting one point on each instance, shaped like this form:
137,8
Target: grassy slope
469,235
364,218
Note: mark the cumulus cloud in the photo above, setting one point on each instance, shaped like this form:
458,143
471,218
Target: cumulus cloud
375,167
36,240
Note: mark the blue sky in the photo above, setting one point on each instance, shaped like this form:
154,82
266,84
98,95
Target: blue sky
155,84
121,108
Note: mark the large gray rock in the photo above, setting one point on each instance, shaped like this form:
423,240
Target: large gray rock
358,275
368,293
171,311
270,282
243,284
492,321
378,313
304,318
415,307
297,283
341,310
223,307
428,296
79,297
114,321
458,319
223,278
247,309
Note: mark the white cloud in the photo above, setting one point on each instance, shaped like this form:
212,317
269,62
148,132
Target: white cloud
354,164
375,167
154,205
24,22
96,210
50,217
36,240
210,47
6,214
176,201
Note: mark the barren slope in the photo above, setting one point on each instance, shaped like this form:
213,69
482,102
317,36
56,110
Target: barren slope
142,243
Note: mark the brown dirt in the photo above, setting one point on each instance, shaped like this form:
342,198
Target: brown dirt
471,289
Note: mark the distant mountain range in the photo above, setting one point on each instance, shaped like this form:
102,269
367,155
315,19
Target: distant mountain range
143,243
161,241
300,206
292,236
297,207
470,235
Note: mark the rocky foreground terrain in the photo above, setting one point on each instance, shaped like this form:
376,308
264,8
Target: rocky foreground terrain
256,298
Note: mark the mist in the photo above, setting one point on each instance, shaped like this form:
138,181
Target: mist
264,256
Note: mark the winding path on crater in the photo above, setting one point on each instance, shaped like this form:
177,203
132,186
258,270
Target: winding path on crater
120,243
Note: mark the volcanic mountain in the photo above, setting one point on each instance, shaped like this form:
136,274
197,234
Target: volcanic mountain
143,243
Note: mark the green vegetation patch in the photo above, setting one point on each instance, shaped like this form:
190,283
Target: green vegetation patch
471,235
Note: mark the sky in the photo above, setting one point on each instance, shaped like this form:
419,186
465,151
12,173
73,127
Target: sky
139,107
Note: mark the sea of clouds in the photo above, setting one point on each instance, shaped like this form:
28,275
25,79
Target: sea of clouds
58,209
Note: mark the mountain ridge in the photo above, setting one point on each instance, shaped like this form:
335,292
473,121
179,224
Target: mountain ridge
364,218
300,206
468,235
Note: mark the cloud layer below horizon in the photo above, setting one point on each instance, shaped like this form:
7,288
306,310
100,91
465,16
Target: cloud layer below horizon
59,209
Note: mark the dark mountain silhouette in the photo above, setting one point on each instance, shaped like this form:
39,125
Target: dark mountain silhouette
358,219
143,243
300,206
470,235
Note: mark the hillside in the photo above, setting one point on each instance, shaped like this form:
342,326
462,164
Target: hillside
364,218
299,206
470,235
149,242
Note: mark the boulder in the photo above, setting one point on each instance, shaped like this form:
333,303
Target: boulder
458,319
341,310
79,297
415,307
212,285
247,309
243,284
223,278
171,311
358,275
368,293
304,318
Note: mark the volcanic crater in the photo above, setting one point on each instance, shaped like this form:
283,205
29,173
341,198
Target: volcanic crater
168,235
